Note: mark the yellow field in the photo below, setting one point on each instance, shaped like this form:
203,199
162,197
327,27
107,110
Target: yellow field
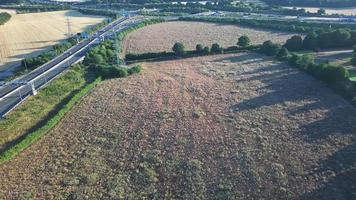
26,35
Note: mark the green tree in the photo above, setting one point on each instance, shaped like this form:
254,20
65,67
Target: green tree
215,48
310,42
244,41
206,50
98,59
199,48
295,43
341,37
269,48
321,11
283,54
178,49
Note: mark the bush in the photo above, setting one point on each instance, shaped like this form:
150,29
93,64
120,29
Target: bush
283,54
244,41
270,48
206,50
310,42
135,70
332,73
295,43
215,48
120,72
178,49
199,48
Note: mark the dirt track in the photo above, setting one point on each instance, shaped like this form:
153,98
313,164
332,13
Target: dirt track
228,126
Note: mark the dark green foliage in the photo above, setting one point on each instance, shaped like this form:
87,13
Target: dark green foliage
295,43
135,70
327,72
206,50
179,49
215,48
341,37
321,11
4,17
144,56
199,48
244,41
270,49
332,73
283,54
310,41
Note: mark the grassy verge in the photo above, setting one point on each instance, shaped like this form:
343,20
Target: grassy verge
36,110
36,135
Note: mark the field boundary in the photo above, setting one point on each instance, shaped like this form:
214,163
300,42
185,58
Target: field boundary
36,135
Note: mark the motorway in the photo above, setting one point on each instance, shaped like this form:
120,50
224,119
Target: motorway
14,92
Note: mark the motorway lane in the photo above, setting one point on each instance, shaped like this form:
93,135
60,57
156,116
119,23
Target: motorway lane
24,91
9,99
6,89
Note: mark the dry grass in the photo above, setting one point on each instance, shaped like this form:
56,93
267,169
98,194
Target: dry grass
329,11
26,35
236,126
161,37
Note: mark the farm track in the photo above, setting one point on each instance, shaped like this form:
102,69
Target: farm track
249,127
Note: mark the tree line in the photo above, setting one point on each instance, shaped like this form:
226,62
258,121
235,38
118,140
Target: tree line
336,76
316,40
179,50
285,25
313,3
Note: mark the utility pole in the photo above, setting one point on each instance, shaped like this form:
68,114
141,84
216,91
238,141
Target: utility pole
69,27
25,63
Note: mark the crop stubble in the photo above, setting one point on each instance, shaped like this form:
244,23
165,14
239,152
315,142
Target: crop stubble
248,127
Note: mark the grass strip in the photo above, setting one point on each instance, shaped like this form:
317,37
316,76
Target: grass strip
36,135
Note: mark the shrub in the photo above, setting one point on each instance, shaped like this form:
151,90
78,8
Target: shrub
135,70
199,48
120,72
295,43
206,50
244,41
270,48
178,49
215,48
310,42
283,54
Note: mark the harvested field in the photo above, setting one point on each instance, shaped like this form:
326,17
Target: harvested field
27,35
161,37
330,11
234,126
